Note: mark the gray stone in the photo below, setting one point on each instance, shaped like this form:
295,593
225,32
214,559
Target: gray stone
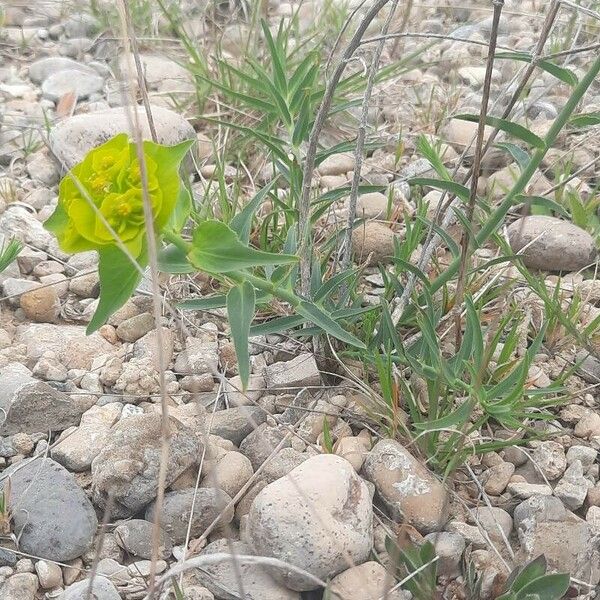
550,458
44,67
51,514
318,517
102,589
407,488
495,521
572,489
585,454
220,578
30,406
449,547
128,465
79,447
80,83
21,586
549,244
18,222
134,328
72,138
177,507
544,526
198,357
235,424
261,442
523,490
589,369
136,537
299,372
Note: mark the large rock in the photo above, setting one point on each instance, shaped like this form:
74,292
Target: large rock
79,447
177,507
408,489
545,526
73,138
550,244
51,514
28,405
318,518
128,465
102,589
221,580
73,348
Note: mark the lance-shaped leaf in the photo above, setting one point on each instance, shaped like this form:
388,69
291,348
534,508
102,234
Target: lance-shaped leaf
514,129
217,249
118,279
241,302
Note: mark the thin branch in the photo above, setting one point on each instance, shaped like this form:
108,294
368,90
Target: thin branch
313,141
360,141
466,237
128,35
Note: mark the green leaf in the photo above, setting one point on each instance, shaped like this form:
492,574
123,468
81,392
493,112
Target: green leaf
118,279
277,325
276,58
565,75
585,120
173,260
547,204
241,303
454,420
327,440
547,587
428,151
514,129
9,253
532,570
182,210
456,189
319,317
242,222
209,303
217,249
520,155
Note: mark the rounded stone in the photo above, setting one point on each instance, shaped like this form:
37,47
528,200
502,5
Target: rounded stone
549,244
136,537
81,83
318,518
41,304
373,242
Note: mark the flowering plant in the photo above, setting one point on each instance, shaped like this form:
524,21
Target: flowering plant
101,207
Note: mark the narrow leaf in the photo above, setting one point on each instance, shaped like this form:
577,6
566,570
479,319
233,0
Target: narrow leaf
320,318
173,260
521,156
456,189
514,129
565,75
585,120
242,222
241,302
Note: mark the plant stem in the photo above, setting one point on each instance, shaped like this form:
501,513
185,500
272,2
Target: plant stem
177,240
470,213
497,217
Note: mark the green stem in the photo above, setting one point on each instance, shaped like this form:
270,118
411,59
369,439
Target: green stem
497,217
178,241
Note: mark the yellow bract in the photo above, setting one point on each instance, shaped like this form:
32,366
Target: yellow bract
101,199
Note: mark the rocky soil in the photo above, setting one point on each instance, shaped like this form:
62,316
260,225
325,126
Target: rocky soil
249,473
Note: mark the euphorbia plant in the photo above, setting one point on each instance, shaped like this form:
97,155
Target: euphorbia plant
101,207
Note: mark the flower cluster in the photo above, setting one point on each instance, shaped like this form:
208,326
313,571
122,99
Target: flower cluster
102,197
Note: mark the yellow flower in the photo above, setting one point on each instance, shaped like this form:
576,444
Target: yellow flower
101,199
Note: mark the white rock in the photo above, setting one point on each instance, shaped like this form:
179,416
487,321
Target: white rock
72,138
318,517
